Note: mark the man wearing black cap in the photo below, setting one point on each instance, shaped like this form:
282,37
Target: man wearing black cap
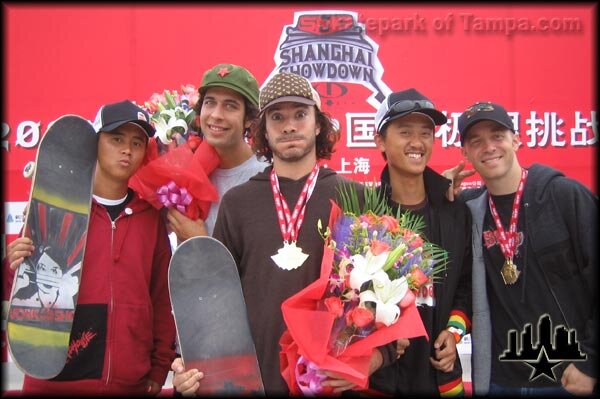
535,236
405,125
123,331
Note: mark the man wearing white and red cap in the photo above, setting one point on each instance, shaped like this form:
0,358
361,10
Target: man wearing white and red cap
405,129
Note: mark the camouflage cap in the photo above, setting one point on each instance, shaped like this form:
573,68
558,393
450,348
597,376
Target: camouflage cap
233,77
286,86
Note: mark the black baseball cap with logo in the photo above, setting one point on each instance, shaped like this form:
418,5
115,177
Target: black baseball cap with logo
483,111
402,103
111,116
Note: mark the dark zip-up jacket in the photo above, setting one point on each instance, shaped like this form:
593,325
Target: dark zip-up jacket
561,233
450,229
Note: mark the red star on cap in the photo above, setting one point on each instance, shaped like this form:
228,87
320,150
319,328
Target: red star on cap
223,71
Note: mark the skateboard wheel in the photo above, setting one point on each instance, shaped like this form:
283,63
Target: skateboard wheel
29,169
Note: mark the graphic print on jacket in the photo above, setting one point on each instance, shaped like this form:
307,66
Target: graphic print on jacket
491,239
87,344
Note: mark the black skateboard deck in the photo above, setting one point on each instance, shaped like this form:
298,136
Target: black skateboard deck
210,314
46,284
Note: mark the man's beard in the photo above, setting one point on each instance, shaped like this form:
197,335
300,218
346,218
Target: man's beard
295,154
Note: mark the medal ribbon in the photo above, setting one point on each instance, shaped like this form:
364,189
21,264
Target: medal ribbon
290,224
508,244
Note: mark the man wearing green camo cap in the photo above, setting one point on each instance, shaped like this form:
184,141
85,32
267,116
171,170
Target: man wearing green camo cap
232,77
227,107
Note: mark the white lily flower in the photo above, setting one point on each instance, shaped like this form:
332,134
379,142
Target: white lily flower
181,111
164,130
365,267
386,295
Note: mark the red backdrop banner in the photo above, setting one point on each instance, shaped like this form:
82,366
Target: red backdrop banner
538,61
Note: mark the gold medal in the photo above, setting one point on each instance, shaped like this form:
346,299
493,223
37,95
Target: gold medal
509,241
509,272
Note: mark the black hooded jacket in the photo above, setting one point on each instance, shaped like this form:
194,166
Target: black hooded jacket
560,244
450,227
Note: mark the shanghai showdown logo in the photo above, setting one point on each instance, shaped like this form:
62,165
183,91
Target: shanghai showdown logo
549,351
331,46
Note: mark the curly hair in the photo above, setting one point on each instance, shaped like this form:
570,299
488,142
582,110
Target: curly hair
250,113
325,142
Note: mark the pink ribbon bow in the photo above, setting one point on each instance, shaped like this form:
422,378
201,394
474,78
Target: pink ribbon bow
170,195
309,378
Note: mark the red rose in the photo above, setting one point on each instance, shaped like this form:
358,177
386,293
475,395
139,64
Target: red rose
379,247
334,306
360,317
390,223
418,278
416,242
369,218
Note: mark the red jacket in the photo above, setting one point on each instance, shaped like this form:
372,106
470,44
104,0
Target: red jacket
123,331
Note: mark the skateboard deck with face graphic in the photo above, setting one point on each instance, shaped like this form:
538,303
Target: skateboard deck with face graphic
46,285
210,314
